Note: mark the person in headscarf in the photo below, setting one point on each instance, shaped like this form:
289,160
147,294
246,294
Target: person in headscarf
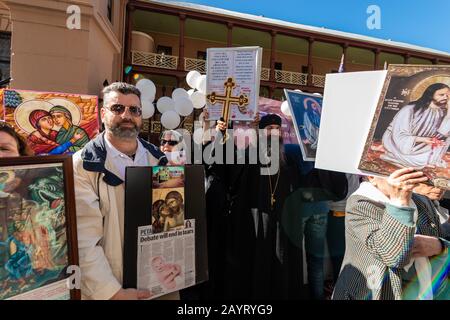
174,147
63,118
43,139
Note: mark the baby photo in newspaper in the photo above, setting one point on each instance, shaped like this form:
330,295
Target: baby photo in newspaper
166,260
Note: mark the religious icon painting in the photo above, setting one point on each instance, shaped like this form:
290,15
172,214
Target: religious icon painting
306,110
233,80
411,125
38,242
51,123
167,198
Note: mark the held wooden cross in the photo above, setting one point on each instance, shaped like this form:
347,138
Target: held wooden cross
227,99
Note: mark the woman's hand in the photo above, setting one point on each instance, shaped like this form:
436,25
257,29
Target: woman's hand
401,184
425,246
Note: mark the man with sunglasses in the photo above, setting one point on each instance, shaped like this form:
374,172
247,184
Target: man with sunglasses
99,173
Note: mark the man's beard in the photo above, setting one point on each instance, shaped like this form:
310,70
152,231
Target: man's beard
124,132
280,148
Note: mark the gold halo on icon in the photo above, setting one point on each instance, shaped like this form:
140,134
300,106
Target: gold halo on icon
72,107
420,88
22,112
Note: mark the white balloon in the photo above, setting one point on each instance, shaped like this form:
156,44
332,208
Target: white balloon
190,92
148,94
170,120
165,104
147,98
201,84
198,99
285,109
192,77
179,93
146,87
184,106
148,109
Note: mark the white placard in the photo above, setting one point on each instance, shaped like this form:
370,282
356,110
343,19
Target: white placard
350,101
243,65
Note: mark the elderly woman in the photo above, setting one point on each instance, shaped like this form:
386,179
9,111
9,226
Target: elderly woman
394,244
174,147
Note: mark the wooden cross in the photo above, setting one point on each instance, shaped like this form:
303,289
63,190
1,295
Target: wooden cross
227,99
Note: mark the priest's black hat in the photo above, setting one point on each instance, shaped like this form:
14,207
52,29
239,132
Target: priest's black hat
269,119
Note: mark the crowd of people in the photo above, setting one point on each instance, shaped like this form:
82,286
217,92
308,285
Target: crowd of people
372,238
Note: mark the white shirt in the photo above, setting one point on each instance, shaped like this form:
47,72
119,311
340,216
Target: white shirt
121,160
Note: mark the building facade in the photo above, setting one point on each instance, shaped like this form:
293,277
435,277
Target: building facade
166,39
47,54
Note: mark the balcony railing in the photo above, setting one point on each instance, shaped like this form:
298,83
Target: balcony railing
195,64
265,74
290,77
318,80
154,60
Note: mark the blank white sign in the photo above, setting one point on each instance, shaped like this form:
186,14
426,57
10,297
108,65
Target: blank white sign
350,101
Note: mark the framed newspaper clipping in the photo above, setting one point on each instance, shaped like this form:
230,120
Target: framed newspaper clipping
165,248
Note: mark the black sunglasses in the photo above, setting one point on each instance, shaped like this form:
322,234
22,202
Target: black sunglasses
169,142
119,109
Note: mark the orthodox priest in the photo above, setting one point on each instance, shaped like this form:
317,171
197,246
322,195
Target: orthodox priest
250,254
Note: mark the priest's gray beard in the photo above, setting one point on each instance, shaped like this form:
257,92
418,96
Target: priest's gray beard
275,152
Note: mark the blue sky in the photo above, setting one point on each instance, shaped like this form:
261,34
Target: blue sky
421,22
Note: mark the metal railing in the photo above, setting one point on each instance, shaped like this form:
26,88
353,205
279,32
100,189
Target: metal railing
195,64
265,74
318,80
154,60
291,77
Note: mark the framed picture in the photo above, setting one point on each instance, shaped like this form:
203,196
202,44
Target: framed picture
411,124
306,110
38,240
51,123
165,244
